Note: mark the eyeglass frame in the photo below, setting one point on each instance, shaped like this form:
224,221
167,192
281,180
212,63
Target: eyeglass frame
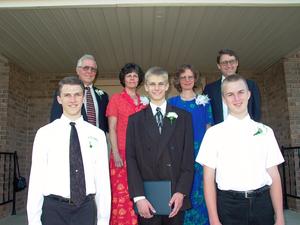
87,68
228,62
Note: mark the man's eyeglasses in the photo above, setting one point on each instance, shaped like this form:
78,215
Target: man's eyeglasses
230,62
87,68
187,78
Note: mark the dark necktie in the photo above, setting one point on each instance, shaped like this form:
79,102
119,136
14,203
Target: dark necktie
159,118
77,178
90,108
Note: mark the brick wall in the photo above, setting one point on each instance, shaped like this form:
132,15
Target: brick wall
4,80
4,86
292,79
14,112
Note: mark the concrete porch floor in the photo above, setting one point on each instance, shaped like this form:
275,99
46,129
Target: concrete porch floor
291,218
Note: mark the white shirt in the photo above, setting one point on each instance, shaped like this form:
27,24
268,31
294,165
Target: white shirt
163,108
240,154
224,106
50,170
95,103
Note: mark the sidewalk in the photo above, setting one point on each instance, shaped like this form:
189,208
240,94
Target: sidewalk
291,218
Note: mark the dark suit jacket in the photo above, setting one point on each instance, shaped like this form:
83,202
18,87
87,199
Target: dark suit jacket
213,90
151,156
56,110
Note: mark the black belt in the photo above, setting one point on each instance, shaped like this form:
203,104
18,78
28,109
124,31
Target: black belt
246,194
68,200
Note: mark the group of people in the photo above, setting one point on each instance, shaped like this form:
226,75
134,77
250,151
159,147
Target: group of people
221,162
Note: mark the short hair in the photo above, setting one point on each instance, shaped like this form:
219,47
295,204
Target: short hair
181,70
157,71
71,80
129,68
233,78
226,51
85,57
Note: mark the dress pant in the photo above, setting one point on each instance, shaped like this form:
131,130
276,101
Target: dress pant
58,212
162,220
238,210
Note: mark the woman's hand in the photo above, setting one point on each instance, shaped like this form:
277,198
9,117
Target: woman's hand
117,159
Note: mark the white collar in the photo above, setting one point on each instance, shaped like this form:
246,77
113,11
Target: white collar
163,108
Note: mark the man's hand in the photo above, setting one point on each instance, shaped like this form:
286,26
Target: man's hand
145,208
176,203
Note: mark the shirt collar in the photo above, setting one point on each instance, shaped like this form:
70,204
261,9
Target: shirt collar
163,108
222,78
234,120
68,120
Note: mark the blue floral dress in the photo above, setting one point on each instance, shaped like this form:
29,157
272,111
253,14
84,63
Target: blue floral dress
201,116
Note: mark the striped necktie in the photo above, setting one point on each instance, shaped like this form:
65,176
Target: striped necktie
159,118
90,107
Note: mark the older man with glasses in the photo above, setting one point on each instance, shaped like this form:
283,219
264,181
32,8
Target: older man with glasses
95,101
227,63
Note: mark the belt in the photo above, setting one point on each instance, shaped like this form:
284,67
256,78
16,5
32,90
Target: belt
68,200
246,194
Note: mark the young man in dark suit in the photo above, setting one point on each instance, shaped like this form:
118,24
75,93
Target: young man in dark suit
228,62
94,108
159,146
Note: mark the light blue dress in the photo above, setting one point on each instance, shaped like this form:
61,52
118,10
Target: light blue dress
201,116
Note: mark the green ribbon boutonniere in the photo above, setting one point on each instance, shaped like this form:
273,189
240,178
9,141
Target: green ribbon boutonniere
260,130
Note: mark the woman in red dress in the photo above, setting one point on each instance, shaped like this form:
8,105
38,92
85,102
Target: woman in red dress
120,107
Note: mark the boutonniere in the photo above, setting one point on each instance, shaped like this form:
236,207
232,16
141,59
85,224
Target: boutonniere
260,131
172,116
144,100
99,92
92,141
202,100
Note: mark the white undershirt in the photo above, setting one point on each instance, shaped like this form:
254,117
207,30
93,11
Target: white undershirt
224,106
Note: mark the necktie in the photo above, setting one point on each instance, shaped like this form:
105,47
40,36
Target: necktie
90,108
159,118
77,178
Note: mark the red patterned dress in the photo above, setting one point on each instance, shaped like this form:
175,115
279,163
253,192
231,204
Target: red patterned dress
121,106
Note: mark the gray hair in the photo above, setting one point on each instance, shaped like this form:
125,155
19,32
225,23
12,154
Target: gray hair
85,57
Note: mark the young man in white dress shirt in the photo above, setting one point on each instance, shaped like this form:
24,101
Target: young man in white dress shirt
243,162
49,196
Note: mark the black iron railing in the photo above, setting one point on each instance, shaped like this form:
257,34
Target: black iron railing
289,172
7,175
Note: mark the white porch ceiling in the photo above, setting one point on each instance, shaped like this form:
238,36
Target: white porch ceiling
51,38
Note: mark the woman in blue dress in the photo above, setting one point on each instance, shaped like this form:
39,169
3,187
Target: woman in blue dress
185,81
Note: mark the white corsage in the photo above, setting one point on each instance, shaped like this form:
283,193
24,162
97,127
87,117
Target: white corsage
172,116
99,92
202,100
144,100
92,141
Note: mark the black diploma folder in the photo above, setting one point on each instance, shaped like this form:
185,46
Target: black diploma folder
159,194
